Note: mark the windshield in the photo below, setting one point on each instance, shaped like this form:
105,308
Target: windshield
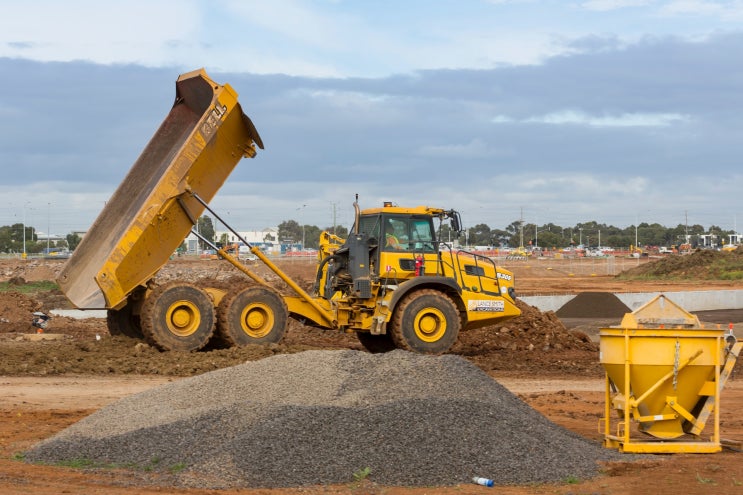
408,234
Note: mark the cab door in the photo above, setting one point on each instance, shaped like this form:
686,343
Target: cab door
408,249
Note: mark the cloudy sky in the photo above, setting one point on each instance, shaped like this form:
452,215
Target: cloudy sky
618,111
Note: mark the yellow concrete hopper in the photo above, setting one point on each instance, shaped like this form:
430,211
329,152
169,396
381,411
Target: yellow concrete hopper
664,374
194,150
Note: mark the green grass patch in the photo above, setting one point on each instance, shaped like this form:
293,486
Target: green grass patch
82,463
362,474
732,275
29,287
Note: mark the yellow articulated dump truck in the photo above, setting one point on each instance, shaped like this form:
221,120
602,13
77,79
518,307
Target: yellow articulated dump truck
392,281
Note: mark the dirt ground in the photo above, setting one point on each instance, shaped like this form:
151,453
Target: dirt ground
48,381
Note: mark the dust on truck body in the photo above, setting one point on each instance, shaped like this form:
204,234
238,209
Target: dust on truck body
392,281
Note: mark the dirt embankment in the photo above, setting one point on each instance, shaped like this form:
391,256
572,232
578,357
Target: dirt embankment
700,265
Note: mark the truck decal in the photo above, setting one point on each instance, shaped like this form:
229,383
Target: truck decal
486,305
212,121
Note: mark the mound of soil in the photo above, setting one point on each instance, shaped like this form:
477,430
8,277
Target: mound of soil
703,264
16,312
529,341
594,305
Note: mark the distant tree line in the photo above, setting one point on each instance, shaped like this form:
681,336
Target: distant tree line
291,232
18,238
516,234
547,235
591,234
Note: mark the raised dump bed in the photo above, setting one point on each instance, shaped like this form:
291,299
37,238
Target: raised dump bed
664,375
195,149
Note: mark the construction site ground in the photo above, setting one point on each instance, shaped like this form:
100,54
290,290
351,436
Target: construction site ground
49,381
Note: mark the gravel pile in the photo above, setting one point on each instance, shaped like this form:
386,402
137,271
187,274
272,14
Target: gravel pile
594,305
319,417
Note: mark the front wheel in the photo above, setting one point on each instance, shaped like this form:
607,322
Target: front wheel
255,315
427,322
178,317
376,344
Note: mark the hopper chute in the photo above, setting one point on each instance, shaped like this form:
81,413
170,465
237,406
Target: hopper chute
664,375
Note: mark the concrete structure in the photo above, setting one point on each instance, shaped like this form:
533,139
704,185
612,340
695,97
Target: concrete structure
698,300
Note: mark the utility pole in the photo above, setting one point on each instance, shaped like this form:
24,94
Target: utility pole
521,230
300,216
334,216
686,227
48,225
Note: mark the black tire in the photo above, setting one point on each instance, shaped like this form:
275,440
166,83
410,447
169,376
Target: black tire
376,344
256,315
123,322
426,322
178,317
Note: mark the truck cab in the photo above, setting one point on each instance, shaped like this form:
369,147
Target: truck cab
394,254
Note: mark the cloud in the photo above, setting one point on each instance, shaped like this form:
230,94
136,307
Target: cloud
607,5
724,10
476,148
599,134
623,120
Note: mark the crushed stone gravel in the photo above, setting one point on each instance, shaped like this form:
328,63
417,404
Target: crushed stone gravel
321,417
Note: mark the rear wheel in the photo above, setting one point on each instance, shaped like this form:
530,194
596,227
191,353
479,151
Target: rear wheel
427,322
255,315
376,343
123,321
178,317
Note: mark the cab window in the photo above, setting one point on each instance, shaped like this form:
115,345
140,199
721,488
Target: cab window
369,226
408,234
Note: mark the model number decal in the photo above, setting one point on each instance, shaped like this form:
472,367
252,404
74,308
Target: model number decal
212,120
504,276
486,305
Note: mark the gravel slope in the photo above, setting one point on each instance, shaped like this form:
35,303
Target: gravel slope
318,417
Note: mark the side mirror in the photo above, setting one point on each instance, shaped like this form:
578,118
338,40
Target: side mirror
456,222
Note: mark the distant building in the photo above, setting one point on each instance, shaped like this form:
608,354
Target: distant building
708,240
267,239
52,239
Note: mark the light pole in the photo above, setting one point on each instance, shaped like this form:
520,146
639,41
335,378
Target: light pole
300,217
580,236
536,235
24,229
637,220
48,225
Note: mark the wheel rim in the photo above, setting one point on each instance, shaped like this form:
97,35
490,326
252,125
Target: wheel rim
183,318
430,324
257,320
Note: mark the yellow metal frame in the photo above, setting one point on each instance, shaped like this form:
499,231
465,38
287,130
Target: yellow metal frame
622,438
658,409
